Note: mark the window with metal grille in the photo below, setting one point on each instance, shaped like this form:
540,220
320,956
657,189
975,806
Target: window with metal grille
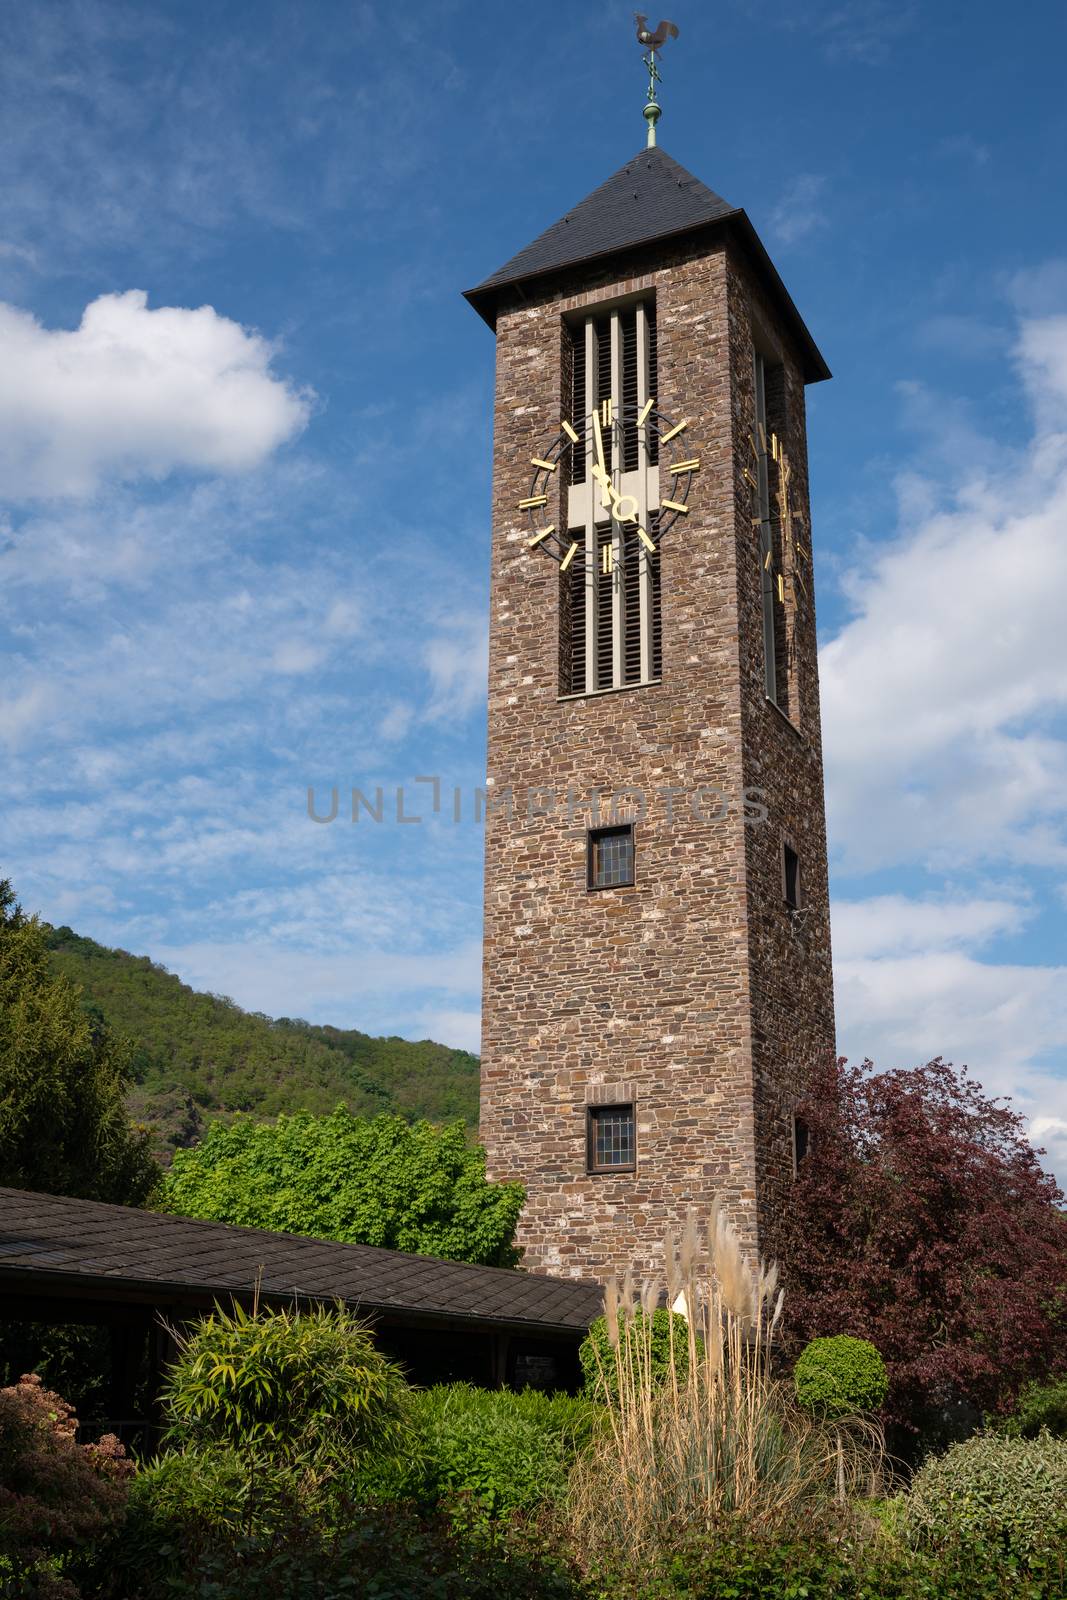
611,857
611,1138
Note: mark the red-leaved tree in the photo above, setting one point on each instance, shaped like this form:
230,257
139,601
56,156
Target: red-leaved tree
923,1221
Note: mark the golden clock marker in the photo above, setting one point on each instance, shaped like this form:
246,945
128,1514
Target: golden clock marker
671,433
607,412
642,416
644,538
687,466
569,557
605,560
569,431
539,461
674,505
539,536
532,501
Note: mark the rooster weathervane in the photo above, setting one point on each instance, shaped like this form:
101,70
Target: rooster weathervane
653,42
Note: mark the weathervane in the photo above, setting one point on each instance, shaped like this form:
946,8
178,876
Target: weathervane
653,42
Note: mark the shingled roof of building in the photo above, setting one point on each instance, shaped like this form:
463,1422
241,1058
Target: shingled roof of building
93,1247
651,198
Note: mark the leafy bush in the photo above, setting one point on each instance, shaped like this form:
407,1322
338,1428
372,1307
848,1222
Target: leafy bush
56,1497
293,1383
381,1181
1040,1406
201,1524
1007,1493
491,1452
816,1566
839,1376
655,1333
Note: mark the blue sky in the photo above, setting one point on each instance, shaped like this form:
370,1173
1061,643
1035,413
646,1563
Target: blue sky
244,453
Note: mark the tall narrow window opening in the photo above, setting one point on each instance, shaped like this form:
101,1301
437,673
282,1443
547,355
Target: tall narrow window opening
610,632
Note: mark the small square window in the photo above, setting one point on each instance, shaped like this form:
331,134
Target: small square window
791,877
611,857
611,1136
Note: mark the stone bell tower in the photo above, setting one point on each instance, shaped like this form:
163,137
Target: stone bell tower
657,944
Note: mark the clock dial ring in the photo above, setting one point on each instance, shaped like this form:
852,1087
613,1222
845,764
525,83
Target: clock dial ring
557,455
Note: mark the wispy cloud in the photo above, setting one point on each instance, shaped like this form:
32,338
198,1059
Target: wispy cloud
798,212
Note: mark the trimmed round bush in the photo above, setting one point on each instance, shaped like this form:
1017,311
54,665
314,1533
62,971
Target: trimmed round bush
598,1358
838,1376
992,1491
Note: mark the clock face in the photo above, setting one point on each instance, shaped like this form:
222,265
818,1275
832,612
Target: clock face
783,553
623,466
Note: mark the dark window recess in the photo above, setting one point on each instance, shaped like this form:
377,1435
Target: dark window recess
628,335
653,374
611,857
602,332
572,592
791,877
801,1142
611,1134
605,586
577,417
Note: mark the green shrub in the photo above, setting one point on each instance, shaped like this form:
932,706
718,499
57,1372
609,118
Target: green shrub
487,1452
302,1383
202,1526
815,1566
1040,1406
597,1355
840,1376
1004,1493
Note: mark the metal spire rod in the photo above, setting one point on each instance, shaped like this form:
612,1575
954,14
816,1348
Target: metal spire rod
653,42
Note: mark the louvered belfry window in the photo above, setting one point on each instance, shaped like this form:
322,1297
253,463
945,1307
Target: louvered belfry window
610,633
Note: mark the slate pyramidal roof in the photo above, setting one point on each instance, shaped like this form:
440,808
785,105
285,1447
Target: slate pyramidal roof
652,198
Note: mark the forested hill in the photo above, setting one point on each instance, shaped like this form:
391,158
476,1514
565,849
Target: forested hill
197,1054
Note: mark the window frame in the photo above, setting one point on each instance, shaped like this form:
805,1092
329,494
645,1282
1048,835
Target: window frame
592,838
592,1113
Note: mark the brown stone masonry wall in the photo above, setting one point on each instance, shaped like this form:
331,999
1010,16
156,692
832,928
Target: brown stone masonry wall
683,991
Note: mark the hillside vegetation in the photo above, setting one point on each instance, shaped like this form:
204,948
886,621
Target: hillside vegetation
195,1054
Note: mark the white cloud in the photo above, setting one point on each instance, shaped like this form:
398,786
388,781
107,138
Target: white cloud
135,393
894,925
940,697
1001,1020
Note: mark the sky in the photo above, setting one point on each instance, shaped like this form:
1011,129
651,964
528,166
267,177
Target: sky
244,476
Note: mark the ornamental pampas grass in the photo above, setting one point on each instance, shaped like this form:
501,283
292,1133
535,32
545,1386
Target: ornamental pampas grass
716,1436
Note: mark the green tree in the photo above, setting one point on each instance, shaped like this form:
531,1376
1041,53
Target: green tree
63,1122
382,1181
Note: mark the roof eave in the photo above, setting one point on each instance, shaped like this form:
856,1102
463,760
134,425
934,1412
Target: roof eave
484,298
171,1292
